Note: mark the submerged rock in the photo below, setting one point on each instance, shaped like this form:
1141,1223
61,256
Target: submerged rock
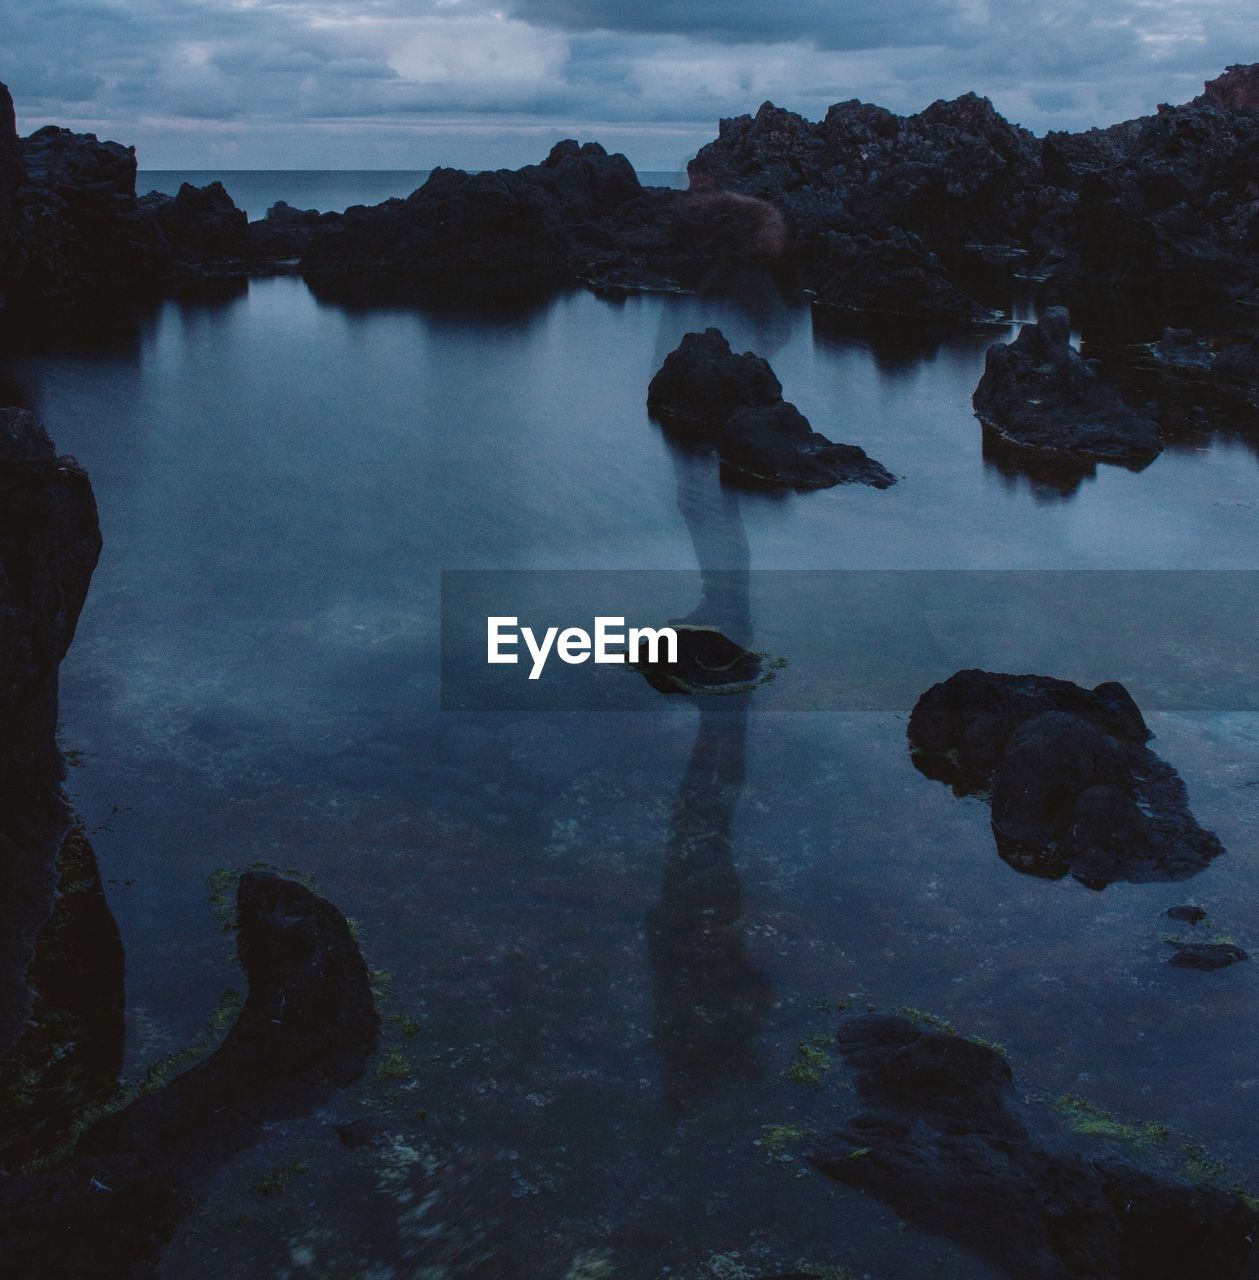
1038,392
708,394
940,1140
1206,955
1074,788
1188,913
309,1021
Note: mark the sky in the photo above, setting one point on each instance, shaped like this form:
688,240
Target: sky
408,84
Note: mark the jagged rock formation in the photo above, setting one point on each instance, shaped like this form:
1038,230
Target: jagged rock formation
1235,374
309,1021
892,273
200,220
1039,393
500,230
706,393
940,1140
49,544
1074,788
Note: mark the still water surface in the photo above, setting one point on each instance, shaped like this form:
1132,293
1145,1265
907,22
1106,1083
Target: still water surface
612,932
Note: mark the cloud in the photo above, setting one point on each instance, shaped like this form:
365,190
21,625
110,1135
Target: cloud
327,76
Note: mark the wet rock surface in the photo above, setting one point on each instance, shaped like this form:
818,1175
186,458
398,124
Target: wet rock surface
1074,788
1039,393
940,1140
707,394
1206,956
309,1022
894,274
49,544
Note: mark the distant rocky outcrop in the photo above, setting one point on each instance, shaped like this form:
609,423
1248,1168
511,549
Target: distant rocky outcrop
1039,393
939,1139
1074,788
500,231
49,544
706,393
199,220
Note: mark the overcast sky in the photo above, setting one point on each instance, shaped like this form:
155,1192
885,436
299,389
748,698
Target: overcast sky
478,83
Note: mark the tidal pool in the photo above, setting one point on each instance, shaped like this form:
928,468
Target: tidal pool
605,942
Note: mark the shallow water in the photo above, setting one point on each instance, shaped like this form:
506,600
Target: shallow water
256,679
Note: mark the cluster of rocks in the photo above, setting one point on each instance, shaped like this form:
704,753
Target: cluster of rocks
1074,787
940,1139
106,1197
706,394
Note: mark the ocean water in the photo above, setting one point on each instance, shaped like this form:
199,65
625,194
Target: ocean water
600,939
256,190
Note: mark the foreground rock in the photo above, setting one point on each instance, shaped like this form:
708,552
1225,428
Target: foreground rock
1206,956
49,544
74,238
1074,788
939,1140
309,1022
706,393
1039,393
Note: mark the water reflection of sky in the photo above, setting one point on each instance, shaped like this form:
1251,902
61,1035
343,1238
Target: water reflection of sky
614,930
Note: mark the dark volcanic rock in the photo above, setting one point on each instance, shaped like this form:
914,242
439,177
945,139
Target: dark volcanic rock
702,383
1188,913
1206,955
82,235
1236,90
1182,350
49,544
11,173
893,273
1235,373
1074,788
708,661
70,1053
203,220
286,232
1039,393
708,394
939,1140
497,231
309,1021
954,173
